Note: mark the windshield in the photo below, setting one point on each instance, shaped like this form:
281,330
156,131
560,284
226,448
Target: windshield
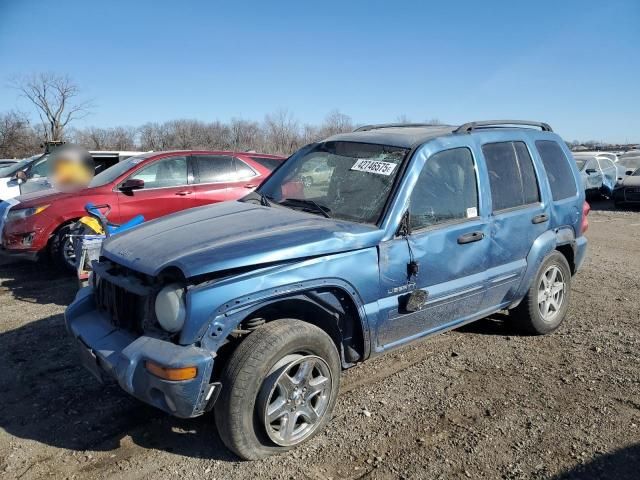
345,180
11,170
110,174
630,163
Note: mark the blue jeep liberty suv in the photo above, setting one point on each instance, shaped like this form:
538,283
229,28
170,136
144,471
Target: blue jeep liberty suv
355,245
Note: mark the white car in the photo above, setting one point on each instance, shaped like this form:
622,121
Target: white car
36,169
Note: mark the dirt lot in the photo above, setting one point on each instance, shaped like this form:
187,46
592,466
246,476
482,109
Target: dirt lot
481,402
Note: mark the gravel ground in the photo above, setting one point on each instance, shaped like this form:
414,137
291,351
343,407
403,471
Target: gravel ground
479,402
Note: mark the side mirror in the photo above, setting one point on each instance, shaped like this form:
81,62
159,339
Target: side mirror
132,184
590,171
21,177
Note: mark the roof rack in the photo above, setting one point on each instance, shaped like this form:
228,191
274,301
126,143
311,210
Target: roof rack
366,128
469,127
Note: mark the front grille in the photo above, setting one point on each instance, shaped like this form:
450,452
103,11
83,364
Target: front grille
126,309
632,194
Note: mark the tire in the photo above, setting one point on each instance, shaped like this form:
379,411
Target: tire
529,314
59,249
252,383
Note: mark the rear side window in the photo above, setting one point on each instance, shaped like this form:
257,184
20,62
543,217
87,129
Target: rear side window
215,168
511,175
446,189
558,170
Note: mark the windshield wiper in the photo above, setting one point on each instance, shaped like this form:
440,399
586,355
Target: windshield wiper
305,203
264,199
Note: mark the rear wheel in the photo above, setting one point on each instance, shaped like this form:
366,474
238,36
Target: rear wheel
279,388
545,306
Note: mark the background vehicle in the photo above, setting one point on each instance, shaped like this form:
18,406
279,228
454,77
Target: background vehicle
599,174
419,229
7,162
36,168
628,191
151,185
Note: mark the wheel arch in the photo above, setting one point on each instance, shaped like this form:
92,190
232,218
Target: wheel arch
329,307
560,239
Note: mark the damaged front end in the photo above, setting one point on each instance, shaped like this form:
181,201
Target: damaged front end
118,335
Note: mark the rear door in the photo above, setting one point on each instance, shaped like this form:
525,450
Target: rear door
166,190
222,177
518,216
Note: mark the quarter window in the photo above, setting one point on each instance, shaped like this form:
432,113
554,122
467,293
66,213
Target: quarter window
167,172
556,164
243,170
511,175
446,189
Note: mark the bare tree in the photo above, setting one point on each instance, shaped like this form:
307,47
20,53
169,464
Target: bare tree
17,138
56,100
282,132
336,122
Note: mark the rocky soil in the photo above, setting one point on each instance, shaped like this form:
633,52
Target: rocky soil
479,402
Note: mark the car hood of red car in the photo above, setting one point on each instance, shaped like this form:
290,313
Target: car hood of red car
233,235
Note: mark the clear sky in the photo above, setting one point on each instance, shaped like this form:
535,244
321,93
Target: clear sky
574,64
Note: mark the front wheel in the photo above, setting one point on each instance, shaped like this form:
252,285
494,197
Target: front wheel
278,389
545,306
62,249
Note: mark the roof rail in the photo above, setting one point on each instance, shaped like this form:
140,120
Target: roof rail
468,127
366,128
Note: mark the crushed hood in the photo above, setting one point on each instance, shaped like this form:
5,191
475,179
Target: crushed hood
233,235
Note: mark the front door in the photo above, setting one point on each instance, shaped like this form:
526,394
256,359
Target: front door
448,243
166,190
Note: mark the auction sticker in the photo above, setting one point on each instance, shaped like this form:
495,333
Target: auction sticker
374,166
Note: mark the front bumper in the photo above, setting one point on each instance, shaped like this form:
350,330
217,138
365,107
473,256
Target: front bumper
19,254
107,351
627,195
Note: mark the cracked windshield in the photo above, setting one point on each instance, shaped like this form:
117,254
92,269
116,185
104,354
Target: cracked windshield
345,180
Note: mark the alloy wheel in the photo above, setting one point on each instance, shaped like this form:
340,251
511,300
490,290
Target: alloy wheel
551,293
296,398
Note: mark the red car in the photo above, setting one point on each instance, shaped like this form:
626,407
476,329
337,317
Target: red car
151,184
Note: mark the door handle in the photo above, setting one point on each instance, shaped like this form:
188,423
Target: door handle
250,185
470,237
543,217
184,192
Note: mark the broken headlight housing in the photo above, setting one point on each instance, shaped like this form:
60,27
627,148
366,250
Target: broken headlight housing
170,307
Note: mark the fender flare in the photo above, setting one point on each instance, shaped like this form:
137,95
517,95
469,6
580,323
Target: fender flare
228,316
542,246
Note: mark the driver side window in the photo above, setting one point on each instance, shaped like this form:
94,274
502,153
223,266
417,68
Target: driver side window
167,172
446,189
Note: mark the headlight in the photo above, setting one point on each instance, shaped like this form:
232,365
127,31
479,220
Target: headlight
170,308
22,213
